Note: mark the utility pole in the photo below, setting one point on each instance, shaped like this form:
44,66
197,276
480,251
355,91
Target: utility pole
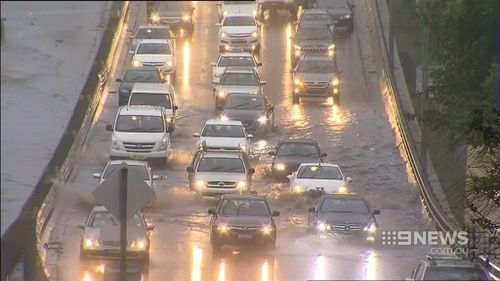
123,223
425,94
390,4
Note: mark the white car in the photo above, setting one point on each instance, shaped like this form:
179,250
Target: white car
156,94
152,32
239,32
224,135
101,236
141,167
249,7
226,60
140,132
323,177
157,53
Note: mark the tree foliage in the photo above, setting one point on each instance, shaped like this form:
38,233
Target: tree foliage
462,36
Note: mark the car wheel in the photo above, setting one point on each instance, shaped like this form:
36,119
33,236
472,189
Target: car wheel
295,99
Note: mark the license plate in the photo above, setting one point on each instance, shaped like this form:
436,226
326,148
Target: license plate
138,157
238,49
245,236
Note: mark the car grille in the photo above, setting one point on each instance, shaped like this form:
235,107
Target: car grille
248,123
153,63
238,41
347,227
316,84
315,49
139,147
239,35
111,243
221,184
170,20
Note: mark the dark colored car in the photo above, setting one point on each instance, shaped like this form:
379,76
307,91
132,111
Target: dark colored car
340,11
274,5
137,75
255,111
315,39
289,154
344,214
178,15
316,77
242,220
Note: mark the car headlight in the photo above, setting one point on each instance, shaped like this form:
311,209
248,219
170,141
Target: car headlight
298,82
222,228
243,147
297,50
280,167
170,63
136,63
370,228
298,189
163,143
221,94
262,119
254,34
242,185
254,13
223,35
91,243
266,229
331,47
322,226
200,184
224,118
114,142
346,16
138,244
169,119
342,189
185,17
155,18
335,82
225,13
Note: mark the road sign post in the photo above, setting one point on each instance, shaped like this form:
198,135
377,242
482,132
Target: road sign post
123,222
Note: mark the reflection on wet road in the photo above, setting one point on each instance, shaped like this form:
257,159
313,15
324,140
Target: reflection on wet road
356,134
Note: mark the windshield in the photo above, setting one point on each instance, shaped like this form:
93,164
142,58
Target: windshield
139,169
240,79
153,33
315,66
248,2
102,218
245,102
330,4
320,33
316,17
140,124
236,61
319,172
222,165
244,208
223,131
298,149
151,99
150,76
154,49
175,5
454,273
239,21
344,205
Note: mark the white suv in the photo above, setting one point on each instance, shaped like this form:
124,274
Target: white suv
224,135
140,132
157,53
239,32
156,94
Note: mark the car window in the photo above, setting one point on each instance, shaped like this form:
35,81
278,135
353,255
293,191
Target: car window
153,33
142,76
136,220
175,5
344,205
240,79
315,17
320,33
139,169
140,124
239,21
297,149
226,131
236,61
151,99
154,49
316,66
319,172
221,165
245,102
454,273
102,218
330,4
244,208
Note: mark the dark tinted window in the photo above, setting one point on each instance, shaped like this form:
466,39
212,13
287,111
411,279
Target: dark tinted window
140,124
315,66
454,273
139,169
150,76
245,102
154,49
297,149
344,205
226,131
222,165
319,172
243,207
153,33
314,33
236,61
239,21
151,99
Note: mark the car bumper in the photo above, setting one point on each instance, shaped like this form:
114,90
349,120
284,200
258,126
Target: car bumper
217,192
115,253
138,155
325,92
246,47
243,239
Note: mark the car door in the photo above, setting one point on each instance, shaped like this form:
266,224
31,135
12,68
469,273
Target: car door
194,162
246,162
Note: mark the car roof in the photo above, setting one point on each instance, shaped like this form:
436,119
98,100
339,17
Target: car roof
163,41
129,162
236,54
223,122
153,88
315,11
153,27
320,164
243,196
222,154
239,69
298,141
140,110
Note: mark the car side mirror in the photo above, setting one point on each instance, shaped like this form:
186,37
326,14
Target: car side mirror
96,175
275,214
290,177
250,136
150,227
262,83
271,153
131,52
118,80
349,179
251,171
323,154
218,24
211,211
312,210
176,107
259,64
190,169
109,127
196,135
376,212
81,226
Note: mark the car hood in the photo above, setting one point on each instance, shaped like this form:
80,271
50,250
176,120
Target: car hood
154,58
296,160
240,9
314,183
238,29
139,137
217,176
339,12
343,218
222,142
314,76
243,114
312,43
172,14
245,220
238,89
112,232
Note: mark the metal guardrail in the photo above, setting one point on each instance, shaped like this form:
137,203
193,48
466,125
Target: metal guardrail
21,242
428,199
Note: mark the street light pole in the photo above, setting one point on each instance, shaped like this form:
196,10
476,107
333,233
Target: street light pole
425,94
123,223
